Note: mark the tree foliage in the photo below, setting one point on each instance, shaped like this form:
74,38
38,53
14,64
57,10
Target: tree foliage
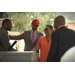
22,20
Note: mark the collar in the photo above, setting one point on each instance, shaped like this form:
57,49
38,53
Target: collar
5,29
34,31
61,26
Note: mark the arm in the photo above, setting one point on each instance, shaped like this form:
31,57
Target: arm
41,34
53,48
37,47
5,42
19,37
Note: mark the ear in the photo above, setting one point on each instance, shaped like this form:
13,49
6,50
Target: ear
5,25
51,30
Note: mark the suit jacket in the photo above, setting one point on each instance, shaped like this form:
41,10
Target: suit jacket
62,39
26,36
4,40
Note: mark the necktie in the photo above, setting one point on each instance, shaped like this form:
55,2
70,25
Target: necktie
32,39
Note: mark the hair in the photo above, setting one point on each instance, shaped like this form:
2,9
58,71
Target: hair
31,23
50,26
5,21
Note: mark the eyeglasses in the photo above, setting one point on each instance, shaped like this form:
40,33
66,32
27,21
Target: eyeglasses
46,29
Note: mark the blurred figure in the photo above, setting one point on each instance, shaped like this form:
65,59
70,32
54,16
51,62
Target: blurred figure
69,55
44,43
4,38
30,37
62,39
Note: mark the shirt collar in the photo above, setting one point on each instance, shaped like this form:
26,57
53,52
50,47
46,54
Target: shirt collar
61,26
5,29
34,31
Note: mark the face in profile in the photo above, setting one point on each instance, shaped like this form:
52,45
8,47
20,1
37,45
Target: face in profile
9,25
47,31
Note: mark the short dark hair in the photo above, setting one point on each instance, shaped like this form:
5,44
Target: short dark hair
32,23
50,26
5,21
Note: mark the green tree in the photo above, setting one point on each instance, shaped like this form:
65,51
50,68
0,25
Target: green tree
22,20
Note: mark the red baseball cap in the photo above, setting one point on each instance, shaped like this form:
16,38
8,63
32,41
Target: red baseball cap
36,22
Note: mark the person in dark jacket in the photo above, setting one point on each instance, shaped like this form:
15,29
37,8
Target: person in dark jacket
4,38
62,39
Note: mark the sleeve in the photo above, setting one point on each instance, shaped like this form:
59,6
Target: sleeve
39,42
41,34
53,48
19,37
5,42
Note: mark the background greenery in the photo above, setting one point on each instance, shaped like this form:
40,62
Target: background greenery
22,20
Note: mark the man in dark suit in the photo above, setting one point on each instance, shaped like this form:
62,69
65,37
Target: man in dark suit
4,38
62,39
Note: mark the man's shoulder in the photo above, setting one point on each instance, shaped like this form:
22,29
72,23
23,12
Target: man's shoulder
2,30
39,32
59,30
54,31
65,29
27,31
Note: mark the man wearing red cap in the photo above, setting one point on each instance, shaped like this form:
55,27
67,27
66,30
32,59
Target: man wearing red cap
30,37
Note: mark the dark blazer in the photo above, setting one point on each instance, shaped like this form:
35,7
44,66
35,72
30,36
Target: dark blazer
4,40
62,39
26,36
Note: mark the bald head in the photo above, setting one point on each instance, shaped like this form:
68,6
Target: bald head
59,20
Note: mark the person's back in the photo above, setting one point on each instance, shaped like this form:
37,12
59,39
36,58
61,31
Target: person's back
69,55
1,33
62,39
66,40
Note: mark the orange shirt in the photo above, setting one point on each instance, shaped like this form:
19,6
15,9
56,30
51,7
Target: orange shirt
44,48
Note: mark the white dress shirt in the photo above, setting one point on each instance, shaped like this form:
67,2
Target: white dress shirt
61,26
